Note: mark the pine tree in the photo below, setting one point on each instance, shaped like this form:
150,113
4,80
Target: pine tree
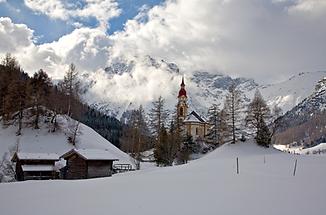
257,111
213,131
16,100
40,86
233,108
263,137
157,117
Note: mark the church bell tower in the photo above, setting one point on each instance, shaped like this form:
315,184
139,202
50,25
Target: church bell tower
182,107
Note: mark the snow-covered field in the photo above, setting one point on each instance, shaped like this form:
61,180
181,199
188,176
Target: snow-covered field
207,186
316,150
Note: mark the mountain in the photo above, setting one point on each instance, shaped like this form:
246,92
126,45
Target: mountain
203,87
305,123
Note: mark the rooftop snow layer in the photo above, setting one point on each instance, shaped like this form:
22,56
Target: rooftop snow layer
37,156
93,154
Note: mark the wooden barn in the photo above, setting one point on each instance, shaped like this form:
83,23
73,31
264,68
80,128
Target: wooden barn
88,163
35,166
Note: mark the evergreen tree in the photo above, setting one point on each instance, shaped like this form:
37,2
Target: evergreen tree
158,116
160,150
257,111
213,131
263,137
40,90
16,100
233,108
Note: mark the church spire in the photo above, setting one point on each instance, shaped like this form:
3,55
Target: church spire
182,83
182,91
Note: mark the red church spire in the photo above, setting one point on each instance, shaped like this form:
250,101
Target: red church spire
182,91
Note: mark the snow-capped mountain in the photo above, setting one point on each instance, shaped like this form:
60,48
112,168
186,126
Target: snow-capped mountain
204,88
306,121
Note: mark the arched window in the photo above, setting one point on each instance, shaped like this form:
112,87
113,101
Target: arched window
181,111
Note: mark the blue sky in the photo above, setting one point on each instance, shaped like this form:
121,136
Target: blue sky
48,30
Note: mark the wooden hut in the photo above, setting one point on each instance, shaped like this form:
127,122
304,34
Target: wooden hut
88,163
35,166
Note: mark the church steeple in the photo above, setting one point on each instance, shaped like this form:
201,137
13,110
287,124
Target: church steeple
182,91
182,107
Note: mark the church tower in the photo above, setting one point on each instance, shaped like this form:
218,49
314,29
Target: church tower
182,107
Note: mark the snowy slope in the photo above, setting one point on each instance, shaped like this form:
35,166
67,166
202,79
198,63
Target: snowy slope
41,140
207,186
291,92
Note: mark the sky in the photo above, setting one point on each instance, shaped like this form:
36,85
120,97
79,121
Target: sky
268,40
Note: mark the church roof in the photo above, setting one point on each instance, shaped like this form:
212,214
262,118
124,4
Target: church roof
182,92
194,117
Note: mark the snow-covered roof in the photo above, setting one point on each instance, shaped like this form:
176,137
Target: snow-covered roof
195,117
92,154
35,156
34,168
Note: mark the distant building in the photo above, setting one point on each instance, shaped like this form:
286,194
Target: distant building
88,163
195,125
35,166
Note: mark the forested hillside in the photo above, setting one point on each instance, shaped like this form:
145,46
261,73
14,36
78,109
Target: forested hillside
20,92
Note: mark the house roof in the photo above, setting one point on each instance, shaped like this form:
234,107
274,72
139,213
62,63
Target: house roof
195,117
91,154
35,168
35,156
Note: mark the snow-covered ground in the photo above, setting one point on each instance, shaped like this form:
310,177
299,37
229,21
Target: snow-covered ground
209,186
316,150
43,141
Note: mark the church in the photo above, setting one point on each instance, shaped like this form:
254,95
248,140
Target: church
195,125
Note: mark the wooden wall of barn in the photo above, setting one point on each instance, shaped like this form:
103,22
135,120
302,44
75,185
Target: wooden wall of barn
99,168
76,168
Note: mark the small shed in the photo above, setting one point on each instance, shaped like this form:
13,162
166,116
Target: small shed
35,166
88,163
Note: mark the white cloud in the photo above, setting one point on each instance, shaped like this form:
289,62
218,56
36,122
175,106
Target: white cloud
102,10
253,38
87,48
14,37
143,85
313,7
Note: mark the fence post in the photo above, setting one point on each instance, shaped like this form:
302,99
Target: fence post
295,167
237,165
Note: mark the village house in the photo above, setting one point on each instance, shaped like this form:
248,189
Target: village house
35,166
88,163
195,125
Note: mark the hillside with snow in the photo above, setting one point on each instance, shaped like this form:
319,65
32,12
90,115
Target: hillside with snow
43,141
210,186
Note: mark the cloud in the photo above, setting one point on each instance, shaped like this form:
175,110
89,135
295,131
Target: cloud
312,7
254,38
85,47
102,10
14,37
